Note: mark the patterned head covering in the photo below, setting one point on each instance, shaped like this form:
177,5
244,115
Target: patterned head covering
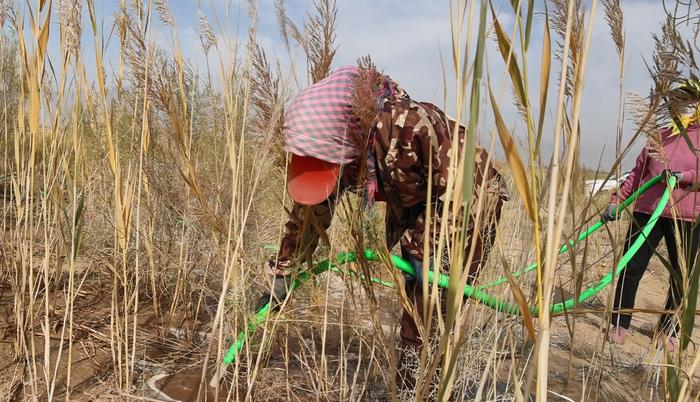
320,123
691,89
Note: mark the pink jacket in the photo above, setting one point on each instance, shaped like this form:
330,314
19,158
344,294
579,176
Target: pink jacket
685,199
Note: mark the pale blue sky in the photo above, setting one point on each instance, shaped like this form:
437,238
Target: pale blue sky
405,37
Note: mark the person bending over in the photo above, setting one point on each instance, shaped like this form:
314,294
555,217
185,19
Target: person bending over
404,144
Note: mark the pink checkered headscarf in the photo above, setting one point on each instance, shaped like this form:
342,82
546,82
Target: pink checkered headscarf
320,122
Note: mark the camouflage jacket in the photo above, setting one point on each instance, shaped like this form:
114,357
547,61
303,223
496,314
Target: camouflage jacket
411,141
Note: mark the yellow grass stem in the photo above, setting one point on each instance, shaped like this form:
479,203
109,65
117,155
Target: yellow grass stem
554,229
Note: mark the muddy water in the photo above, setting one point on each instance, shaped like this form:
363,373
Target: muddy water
185,386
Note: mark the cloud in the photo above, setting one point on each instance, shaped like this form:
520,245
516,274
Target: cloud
600,102
409,39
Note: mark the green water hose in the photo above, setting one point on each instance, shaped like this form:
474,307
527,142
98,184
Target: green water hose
593,228
263,312
476,292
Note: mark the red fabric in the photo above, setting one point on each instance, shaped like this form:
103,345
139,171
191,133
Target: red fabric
678,157
311,180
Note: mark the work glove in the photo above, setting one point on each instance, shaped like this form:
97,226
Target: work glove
610,213
280,282
418,268
277,294
668,172
281,267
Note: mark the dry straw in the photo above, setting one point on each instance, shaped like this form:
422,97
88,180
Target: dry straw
138,196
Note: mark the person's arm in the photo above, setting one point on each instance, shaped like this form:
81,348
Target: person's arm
633,180
690,177
489,195
301,235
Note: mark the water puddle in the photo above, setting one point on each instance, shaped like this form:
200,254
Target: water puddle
187,386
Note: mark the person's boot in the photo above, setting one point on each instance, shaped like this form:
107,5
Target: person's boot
407,372
668,332
617,334
406,368
409,348
669,343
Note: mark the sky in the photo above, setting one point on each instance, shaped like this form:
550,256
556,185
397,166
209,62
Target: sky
410,40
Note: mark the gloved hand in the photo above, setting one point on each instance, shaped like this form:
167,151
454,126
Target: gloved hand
418,268
280,286
280,281
668,172
280,267
277,294
610,213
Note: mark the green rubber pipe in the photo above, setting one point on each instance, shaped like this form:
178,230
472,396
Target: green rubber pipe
263,312
491,301
476,293
259,318
629,200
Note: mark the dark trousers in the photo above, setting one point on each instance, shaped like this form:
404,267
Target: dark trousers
414,290
410,336
628,283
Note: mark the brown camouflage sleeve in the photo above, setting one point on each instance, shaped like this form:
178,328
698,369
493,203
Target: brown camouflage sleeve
302,232
489,195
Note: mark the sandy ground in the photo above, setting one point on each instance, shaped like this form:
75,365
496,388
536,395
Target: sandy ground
628,372
349,357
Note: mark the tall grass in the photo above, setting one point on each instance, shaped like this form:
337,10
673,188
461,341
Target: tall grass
142,195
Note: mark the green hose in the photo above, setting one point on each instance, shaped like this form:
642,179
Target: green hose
263,312
476,293
627,202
